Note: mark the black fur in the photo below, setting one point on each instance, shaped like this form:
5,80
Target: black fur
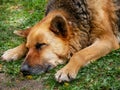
117,3
77,9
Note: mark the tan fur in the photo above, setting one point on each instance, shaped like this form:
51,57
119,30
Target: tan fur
60,36
15,53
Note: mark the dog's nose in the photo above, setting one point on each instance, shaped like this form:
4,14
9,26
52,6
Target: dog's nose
37,69
25,69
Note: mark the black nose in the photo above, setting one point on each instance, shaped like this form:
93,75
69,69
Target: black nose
37,69
25,69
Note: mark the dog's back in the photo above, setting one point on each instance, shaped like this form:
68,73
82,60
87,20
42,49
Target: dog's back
80,12
117,3
77,10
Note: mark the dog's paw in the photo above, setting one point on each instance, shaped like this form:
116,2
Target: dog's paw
10,55
65,75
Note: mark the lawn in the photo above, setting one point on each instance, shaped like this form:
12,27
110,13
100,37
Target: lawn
103,74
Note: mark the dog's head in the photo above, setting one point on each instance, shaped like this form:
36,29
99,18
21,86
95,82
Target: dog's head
47,44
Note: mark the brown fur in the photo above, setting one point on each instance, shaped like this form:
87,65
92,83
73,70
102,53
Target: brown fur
71,30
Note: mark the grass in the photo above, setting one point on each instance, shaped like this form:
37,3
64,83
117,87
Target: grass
103,74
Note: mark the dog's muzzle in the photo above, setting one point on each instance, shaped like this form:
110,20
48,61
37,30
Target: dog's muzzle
37,69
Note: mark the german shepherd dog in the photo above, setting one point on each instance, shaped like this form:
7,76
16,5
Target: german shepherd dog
73,31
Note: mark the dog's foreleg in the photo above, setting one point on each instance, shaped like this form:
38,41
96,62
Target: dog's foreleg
15,53
98,49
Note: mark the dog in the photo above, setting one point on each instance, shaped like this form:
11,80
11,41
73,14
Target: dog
73,31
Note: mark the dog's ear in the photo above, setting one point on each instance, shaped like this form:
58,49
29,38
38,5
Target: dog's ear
23,33
59,26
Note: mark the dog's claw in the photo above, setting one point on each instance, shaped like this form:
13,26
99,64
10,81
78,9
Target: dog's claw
64,76
61,78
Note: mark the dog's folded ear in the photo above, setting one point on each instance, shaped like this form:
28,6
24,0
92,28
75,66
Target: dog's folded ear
59,26
22,33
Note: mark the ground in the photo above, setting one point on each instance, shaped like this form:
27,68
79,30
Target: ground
103,74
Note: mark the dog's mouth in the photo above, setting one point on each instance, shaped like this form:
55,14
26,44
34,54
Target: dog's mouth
36,70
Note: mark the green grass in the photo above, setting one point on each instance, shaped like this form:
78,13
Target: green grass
103,74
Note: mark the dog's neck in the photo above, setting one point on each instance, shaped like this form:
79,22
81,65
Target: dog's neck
78,39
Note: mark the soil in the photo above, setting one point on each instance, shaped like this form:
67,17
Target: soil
7,83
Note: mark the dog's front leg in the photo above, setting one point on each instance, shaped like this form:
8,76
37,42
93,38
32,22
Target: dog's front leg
98,49
15,53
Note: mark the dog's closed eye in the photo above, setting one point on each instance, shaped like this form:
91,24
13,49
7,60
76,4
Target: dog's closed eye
40,45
